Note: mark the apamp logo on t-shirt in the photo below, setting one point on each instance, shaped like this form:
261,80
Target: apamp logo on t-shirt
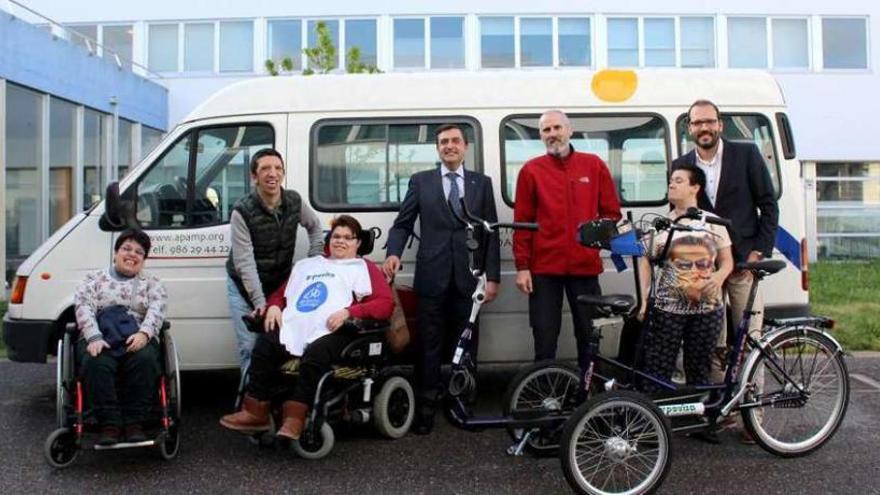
312,297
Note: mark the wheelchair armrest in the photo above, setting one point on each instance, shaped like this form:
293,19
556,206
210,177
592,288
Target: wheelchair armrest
368,327
71,328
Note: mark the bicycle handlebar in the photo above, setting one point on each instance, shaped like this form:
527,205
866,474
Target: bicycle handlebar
490,226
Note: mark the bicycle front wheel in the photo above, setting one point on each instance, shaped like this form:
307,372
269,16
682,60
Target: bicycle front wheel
802,387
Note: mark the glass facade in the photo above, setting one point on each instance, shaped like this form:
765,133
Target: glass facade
94,156
659,42
791,44
623,42
409,43
747,42
575,47
118,39
361,33
162,56
198,47
332,28
848,209
536,42
285,41
844,43
697,41
497,43
447,42
237,46
62,161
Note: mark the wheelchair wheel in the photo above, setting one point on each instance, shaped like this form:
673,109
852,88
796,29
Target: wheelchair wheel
169,443
792,423
394,407
616,442
60,449
63,379
172,374
541,386
315,446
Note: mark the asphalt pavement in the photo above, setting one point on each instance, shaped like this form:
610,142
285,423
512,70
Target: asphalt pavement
213,460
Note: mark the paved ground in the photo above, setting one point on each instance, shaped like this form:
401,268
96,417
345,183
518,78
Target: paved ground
449,461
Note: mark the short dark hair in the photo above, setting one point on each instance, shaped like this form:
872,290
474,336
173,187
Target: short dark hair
697,176
264,153
703,103
448,127
347,221
136,235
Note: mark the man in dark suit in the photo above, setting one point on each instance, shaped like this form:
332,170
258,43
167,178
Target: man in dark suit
738,187
443,282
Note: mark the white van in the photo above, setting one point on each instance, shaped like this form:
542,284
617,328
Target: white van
351,143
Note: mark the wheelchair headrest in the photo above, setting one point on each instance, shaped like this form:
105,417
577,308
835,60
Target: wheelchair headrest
368,239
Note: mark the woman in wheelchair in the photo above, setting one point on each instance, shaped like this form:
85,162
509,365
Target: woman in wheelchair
688,307
306,317
119,313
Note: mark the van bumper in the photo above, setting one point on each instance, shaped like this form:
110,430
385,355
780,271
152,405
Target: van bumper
26,340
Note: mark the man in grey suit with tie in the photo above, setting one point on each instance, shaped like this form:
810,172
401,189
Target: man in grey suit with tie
443,281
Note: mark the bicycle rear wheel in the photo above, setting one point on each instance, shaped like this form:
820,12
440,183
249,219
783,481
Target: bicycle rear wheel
803,387
616,443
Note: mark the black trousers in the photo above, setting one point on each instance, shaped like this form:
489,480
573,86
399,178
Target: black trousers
666,331
268,382
545,312
140,372
440,319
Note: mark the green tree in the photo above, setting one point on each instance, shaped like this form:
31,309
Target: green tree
322,58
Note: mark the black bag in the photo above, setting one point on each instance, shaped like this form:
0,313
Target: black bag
116,325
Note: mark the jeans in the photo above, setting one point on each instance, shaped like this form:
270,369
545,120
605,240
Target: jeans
238,307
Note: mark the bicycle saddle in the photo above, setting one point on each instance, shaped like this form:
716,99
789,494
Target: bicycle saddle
767,267
615,304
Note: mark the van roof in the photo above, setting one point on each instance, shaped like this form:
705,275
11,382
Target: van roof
451,91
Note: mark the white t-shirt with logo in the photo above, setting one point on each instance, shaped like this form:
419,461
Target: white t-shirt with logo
318,287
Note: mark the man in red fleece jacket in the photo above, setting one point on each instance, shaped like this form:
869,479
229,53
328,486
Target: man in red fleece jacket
559,190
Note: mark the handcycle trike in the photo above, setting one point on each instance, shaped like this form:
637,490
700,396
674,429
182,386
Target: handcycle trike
792,387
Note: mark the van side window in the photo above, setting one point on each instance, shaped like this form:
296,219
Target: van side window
197,181
365,165
635,148
742,128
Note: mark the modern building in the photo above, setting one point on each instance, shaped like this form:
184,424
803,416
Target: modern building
822,54
70,123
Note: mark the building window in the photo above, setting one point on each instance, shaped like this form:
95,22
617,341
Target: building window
23,189
496,42
575,48
844,43
361,33
118,39
163,47
198,47
747,42
332,28
62,161
659,42
447,42
623,42
409,43
366,165
237,46
150,138
791,44
85,35
123,148
536,41
848,209
697,41
285,41
94,160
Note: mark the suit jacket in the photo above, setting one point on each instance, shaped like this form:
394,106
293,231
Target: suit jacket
442,258
744,191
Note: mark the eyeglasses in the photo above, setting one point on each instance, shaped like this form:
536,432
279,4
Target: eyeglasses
704,122
342,237
686,265
129,250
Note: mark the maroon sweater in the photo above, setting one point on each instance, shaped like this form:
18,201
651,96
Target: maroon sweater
377,306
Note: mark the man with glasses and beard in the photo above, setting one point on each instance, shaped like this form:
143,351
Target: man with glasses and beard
738,187
560,190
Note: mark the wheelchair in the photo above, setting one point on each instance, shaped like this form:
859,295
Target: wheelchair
75,419
362,387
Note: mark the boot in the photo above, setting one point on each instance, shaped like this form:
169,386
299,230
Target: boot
294,414
253,417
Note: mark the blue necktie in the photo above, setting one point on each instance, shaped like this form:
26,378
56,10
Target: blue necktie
454,193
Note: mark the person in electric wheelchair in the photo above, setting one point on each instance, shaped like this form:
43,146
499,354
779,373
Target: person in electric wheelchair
312,316
117,367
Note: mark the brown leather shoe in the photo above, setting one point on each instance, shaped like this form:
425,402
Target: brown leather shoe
253,417
294,414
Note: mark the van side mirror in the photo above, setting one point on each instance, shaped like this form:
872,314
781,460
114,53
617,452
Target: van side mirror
115,218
